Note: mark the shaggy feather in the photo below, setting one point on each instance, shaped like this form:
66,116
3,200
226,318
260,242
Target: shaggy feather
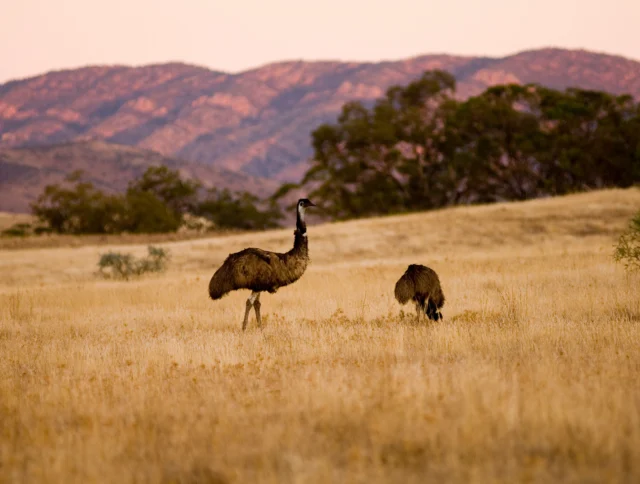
260,270
422,285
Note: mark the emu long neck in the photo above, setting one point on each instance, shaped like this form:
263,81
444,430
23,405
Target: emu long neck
300,242
301,226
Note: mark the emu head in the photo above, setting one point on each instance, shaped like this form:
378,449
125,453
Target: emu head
302,205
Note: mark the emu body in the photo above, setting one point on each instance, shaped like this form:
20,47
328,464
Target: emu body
261,270
421,285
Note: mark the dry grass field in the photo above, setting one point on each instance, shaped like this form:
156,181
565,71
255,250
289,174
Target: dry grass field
533,376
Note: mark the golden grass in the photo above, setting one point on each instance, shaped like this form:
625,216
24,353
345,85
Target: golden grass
532,376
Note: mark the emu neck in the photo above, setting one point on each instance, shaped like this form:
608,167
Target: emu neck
300,242
300,245
301,225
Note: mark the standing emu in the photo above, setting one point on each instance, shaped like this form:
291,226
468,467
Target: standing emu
421,284
261,270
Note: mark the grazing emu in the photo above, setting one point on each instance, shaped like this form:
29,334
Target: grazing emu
421,284
261,270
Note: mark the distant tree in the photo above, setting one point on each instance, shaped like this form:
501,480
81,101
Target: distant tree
418,147
387,158
178,194
594,140
157,202
79,209
498,137
422,110
239,211
146,213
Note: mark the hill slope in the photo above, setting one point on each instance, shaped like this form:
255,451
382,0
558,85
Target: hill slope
24,172
257,122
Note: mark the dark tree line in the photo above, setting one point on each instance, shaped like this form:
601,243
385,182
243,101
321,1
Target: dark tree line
159,201
419,148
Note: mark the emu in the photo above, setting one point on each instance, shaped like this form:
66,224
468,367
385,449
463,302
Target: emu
422,285
261,270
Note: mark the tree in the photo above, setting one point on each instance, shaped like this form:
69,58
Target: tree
418,147
594,137
166,185
146,213
155,203
498,138
238,211
387,158
80,209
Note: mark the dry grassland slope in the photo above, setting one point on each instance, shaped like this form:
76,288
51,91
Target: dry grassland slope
531,377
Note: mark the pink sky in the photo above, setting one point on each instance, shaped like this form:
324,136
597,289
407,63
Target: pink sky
42,35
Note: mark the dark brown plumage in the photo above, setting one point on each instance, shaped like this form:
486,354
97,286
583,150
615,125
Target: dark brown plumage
261,270
421,285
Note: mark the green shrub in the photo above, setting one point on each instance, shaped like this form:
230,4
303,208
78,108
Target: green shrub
115,265
79,208
628,249
42,230
145,213
160,201
17,230
238,211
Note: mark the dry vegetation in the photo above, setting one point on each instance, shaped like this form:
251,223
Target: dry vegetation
7,219
532,376
46,241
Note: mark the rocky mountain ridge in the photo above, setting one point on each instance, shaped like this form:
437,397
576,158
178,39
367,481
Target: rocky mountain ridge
256,122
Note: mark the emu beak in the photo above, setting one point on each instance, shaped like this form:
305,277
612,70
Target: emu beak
311,204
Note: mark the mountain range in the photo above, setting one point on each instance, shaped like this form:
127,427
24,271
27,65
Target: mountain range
248,128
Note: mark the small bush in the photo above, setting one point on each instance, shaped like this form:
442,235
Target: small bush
25,230
42,230
17,230
628,249
114,265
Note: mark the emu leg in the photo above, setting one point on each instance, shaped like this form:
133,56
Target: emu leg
246,314
250,303
256,306
419,310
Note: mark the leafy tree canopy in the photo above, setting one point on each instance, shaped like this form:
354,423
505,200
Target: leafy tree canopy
418,147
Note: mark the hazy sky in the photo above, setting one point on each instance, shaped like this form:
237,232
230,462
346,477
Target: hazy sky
233,35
